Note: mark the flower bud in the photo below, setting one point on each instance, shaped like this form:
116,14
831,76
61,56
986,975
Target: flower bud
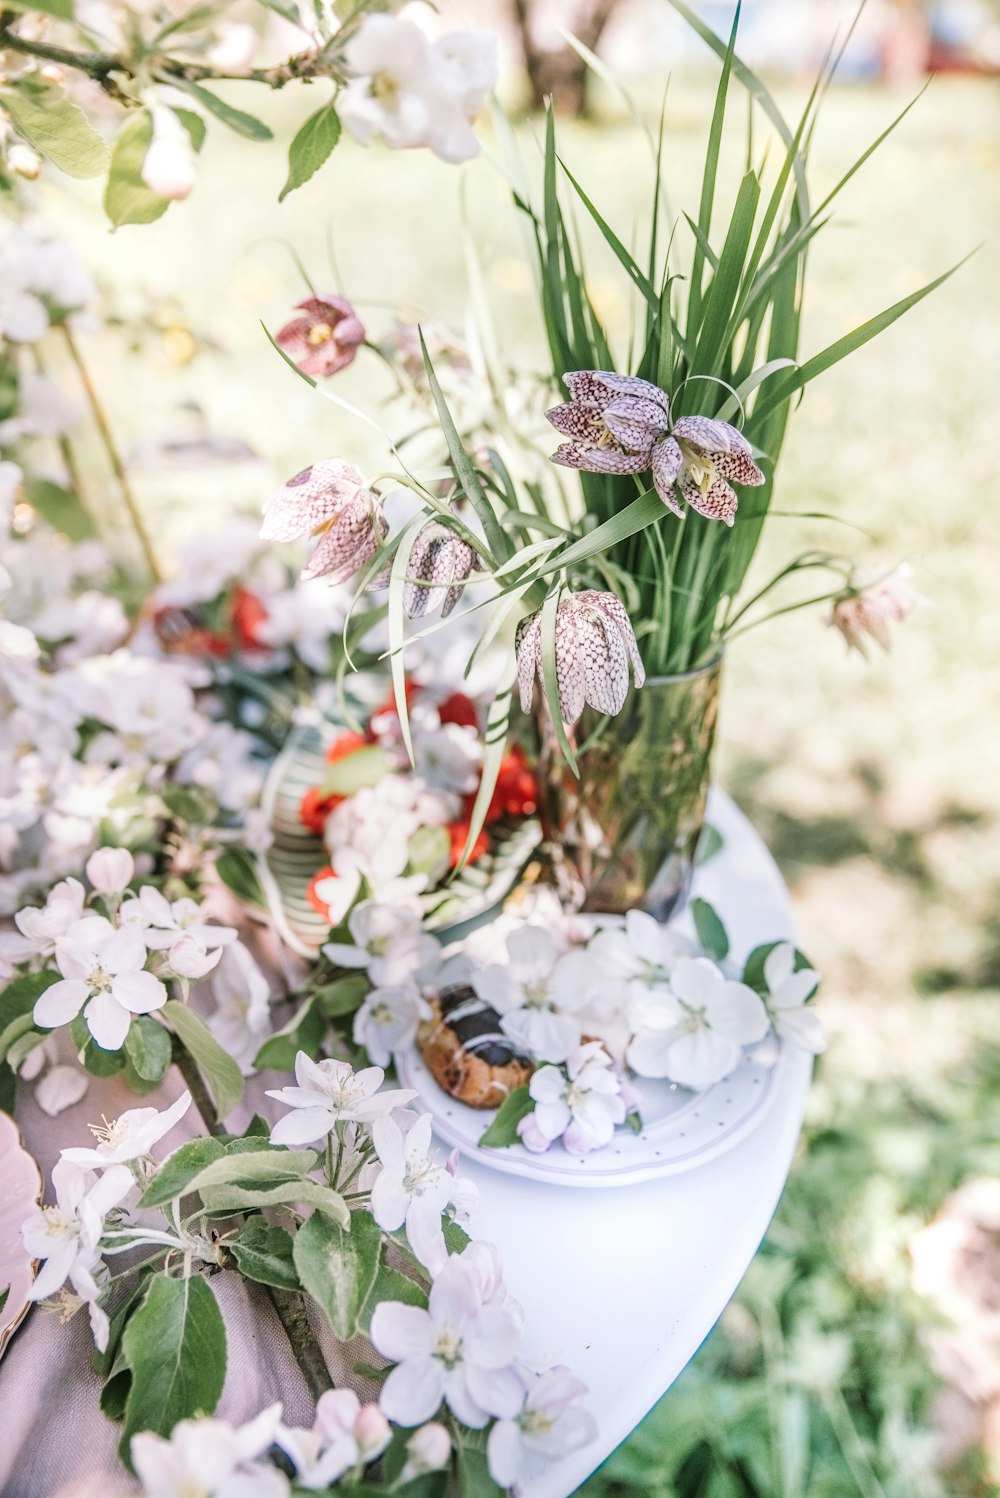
169,167
190,959
427,1450
23,160
372,1432
110,870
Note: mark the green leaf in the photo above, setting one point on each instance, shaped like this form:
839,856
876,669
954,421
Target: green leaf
244,124
306,1192
255,1168
184,804
311,147
710,843
175,1346
343,995
494,744
753,971
8,1089
550,676
224,1078
61,9
474,1480
127,199
503,1130
391,1284
193,123
362,767
17,1001
646,510
174,1176
58,129
397,628
23,1046
148,1047
338,1266
264,1253
238,872
428,850
711,932
303,1032
499,542
63,510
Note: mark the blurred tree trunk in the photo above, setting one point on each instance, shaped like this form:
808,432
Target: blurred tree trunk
554,69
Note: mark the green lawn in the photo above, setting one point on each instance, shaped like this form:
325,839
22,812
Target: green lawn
877,786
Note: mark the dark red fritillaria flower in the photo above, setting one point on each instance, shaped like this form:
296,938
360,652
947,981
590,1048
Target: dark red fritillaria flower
325,339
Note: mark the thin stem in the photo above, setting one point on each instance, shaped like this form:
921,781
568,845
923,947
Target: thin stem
789,608
65,449
185,1064
110,447
290,1306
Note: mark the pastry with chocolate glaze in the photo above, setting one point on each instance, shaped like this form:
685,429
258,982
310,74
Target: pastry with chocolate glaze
468,1054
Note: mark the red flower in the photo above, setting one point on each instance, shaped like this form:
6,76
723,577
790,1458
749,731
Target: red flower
459,835
516,793
345,744
326,339
248,614
181,632
314,809
459,709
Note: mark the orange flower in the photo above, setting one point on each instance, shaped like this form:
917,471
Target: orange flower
516,793
320,906
459,833
314,809
248,614
345,744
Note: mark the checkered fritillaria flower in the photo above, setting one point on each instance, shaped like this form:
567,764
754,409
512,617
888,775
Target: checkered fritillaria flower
329,501
612,421
594,644
440,561
325,339
621,424
867,608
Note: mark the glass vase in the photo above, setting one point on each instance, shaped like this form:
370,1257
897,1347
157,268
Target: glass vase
624,834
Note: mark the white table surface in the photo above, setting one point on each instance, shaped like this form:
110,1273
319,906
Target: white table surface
624,1284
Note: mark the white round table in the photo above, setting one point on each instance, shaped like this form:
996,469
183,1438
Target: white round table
624,1284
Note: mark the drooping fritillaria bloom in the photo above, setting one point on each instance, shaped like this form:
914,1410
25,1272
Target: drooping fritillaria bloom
868,608
325,339
329,500
621,424
439,563
595,642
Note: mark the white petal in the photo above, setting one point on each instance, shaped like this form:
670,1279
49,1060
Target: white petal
401,1333
107,1022
413,1391
60,1088
700,1059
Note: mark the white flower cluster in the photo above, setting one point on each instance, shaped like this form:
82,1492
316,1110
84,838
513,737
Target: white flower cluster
631,999
93,1187
465,1349
111,966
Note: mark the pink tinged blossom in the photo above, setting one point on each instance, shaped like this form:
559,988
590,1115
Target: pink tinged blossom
582,1105
595,643
328,501
110,870
427,1450
211,1458
550,1424
699,458
325,339
345,1434
169,168
103,975
458,1351
416,1188
440,562
867,609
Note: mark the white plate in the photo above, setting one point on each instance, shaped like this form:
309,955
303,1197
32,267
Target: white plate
681,1129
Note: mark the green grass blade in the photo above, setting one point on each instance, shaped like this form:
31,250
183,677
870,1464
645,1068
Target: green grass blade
709,179
614,243
550,676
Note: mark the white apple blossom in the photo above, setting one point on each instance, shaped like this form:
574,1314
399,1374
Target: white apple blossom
241,1021
447,756
538,991
209,1458
164,923
581,1105
414,1188
110,870
694,1032
330,1092
345,1434
40,929
458,1351
129,1137
369,833
787,993
68,1233
387,1022
550,1424
388,940
412,92
103,975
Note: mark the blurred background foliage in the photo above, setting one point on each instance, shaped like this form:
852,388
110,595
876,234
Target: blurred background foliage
862,1354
